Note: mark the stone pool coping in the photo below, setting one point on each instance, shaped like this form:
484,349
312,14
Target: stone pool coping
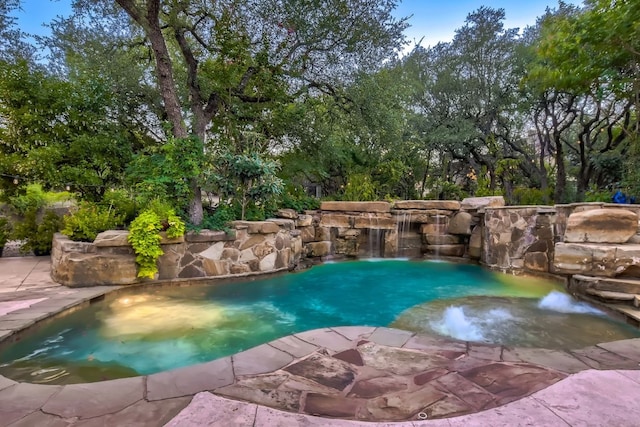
357,373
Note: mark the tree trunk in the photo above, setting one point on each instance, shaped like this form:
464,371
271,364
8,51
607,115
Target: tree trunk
148,19
561,173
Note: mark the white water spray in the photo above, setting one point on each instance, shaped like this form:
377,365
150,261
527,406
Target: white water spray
563,303
456,324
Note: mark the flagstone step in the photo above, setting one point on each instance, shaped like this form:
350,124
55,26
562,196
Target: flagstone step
579,283
610,296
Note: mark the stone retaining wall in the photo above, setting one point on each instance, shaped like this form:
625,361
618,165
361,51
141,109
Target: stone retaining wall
250,247
509,238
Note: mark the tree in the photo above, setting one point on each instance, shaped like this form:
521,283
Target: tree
12,43
59,133
208,56
470,99
600,84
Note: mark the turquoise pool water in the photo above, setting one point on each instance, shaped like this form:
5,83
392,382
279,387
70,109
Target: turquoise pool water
150,330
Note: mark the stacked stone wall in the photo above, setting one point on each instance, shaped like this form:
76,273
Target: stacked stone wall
532,239
248,248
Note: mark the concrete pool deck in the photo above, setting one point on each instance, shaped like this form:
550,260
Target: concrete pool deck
343,376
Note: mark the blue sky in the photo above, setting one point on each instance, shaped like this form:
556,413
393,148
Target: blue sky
433,20
437,20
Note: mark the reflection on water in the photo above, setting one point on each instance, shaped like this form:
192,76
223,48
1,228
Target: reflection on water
555,321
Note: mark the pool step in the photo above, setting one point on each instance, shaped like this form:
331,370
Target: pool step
579,284
610,296
631,313
620,310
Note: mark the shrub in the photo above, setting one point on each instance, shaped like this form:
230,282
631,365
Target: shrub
37,234
145,238
295,198
5,231
359,188
219,219
531,196
122,203
90,219
594,194
33,199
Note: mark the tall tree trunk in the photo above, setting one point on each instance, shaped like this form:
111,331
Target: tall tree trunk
147,16
561,173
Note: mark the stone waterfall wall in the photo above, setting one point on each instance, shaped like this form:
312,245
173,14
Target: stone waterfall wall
509,238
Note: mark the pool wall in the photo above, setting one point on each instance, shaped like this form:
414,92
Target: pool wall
517,239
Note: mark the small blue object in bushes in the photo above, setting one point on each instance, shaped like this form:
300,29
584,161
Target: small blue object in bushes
620,197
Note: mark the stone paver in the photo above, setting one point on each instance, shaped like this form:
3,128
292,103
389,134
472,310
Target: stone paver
95,399
361,373
141,413
259,360
294,346
390,337
326,338
615,394
625,348
190,380
40,419
22,399
207,409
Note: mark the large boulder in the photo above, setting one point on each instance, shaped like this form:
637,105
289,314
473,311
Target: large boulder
460,223
596,259
601,226
92,269
319,249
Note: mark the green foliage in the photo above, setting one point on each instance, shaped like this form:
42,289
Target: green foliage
5,230
359,188
38,224
595,194
295,198
167,172
447,190
122,202
60,132
249,181
33,199
220,218
145,238
37,233
88,220
530,196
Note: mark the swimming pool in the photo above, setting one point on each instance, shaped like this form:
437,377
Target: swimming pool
151,329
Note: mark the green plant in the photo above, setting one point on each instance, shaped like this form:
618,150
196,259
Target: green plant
5,231
359,188
530,196
88,220
33,199
167,172
248,180
122,202
145,238
295,198
594,194
36,233
219,219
